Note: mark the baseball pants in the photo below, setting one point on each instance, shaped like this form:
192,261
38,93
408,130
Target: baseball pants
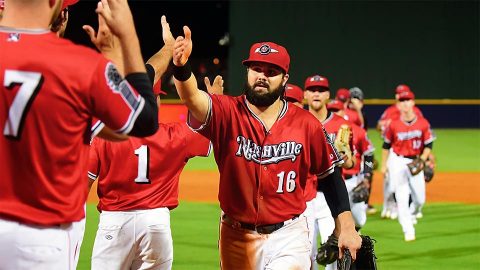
26,247
285,248
137,239
320,221
403,184
359,210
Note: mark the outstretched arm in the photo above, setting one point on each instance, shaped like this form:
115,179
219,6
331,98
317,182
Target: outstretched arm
162,58
186,84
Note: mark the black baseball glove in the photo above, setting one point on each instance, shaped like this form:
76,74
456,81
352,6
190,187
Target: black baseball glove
428,172
360,193
366,259
416,166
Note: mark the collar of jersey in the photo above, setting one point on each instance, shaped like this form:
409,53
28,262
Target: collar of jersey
24,30
282,113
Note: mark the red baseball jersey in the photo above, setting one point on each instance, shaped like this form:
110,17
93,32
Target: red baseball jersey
331,124
409,139
143,173
263,173
49,90
352,116
362,146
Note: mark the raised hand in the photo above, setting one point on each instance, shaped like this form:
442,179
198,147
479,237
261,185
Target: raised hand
168,38
104,39
117,16
182,48
216,87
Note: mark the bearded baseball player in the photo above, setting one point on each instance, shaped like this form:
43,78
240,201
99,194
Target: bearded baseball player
410,137
50,105
319,216
363,169
264,149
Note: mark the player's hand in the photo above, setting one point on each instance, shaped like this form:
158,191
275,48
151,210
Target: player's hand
104,40
349,239
167,36
118,17
217,86
182,48
357,104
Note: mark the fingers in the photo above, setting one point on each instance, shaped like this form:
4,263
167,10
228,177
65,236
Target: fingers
206,80
188,33
218,80
90,32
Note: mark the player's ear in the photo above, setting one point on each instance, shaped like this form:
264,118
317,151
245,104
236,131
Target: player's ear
285,79
328,94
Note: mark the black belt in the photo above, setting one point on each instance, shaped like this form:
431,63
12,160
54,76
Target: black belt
263,229
348,176
410,157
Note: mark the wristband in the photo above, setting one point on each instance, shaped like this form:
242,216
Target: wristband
182,73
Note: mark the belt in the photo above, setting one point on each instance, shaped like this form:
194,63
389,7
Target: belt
263,229
348,176
410,157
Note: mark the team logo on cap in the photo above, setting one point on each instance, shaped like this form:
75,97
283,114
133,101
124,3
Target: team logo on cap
13,37
265,49
316,78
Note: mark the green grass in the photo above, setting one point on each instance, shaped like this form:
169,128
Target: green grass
448,237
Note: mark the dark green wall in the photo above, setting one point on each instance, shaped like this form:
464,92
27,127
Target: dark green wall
375,45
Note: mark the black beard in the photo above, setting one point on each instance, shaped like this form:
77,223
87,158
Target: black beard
263,100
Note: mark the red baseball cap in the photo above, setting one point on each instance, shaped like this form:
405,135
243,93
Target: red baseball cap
2,4
342,94
293,93
271,53
406,95
402,88
335,105
316,81
67,3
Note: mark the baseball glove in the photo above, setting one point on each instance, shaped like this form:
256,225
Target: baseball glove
342,141
428,173
366,259
416,166
360,193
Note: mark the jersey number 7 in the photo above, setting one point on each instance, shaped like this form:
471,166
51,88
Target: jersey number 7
30,83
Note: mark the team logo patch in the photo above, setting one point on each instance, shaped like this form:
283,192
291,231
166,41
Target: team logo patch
113,77
13,37
317,78
265,49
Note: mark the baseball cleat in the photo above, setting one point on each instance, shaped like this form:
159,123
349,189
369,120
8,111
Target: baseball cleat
393,215
419,215
371,210
385,213
409,237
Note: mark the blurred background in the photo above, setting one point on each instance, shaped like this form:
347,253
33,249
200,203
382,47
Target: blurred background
432,46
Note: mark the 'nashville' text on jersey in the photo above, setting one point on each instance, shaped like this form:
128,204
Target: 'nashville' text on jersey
411,134
270,153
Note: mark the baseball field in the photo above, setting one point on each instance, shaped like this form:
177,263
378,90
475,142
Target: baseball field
448,236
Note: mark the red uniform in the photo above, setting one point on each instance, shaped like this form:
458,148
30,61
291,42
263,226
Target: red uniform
362,146
49,90
143,173
331,124
409,139
263,174
352,116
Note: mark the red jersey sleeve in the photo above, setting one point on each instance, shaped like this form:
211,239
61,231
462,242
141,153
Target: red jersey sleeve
428,135
112,98
197,144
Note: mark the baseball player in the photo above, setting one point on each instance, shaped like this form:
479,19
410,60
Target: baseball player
319,216
264,148
354,114
48,106
409,137
392,113
294,94
362,172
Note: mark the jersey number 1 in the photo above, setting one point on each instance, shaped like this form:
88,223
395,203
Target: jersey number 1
30,83
143,154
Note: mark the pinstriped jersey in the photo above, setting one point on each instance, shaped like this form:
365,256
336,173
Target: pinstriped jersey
49,91
409,139
143,173
263,173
